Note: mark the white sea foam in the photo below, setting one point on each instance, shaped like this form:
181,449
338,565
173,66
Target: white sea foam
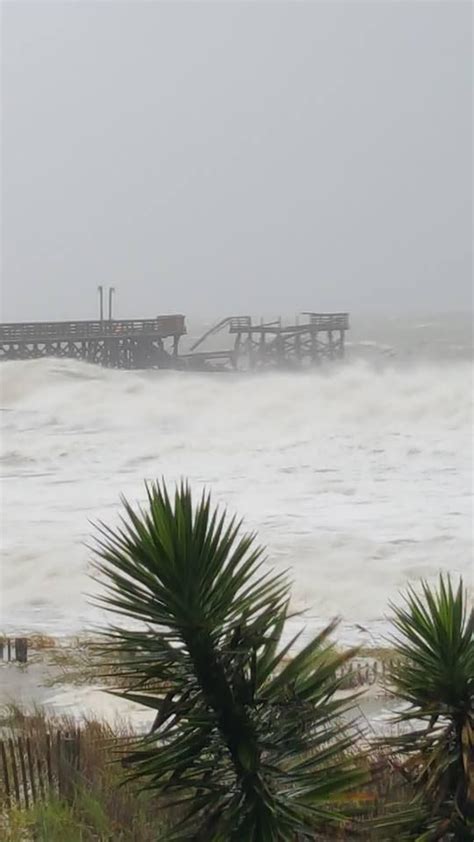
357,480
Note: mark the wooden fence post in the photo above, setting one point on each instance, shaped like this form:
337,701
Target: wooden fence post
49,768
6,775
14,770
69,763
58,762
31,769
24,779
40,778
21,649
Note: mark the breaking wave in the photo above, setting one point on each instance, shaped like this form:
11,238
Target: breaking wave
357,478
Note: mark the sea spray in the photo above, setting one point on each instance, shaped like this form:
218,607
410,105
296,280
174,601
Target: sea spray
357,479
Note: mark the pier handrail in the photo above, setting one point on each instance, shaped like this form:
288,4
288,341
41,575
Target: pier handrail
332,321
238,323
37,331
244,321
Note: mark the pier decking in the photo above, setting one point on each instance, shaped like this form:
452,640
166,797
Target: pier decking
131,343
154,343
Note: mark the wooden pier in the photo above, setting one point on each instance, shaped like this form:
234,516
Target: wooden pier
319,337
139,343
154,343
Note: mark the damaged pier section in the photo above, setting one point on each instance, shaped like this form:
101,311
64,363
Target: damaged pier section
319,337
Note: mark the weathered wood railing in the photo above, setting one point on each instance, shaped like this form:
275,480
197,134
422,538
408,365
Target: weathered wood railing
162,326
329,321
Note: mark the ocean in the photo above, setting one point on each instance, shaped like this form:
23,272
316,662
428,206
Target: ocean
357,477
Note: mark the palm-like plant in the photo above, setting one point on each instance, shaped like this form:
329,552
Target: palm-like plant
246,735
434,678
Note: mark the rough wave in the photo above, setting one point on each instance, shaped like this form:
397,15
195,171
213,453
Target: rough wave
357,479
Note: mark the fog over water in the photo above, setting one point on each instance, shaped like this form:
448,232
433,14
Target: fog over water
213,158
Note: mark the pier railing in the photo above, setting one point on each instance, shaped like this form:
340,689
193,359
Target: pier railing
239,323
320,321
329,321
162,326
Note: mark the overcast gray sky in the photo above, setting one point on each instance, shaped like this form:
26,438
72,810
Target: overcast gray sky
225,157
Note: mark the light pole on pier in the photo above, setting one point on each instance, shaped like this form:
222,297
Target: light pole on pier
100,290
111,293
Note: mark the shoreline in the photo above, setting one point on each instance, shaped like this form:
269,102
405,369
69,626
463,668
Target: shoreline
59,678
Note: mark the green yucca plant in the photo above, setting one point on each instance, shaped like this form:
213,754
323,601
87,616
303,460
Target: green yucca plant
247,737
434,678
